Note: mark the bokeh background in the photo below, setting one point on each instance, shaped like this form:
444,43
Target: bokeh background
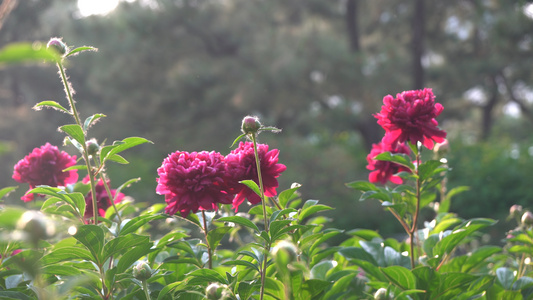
183,74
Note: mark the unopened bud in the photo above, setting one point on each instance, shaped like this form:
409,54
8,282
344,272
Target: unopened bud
92,147
250,125
142,271
285,252
527,218
58,45
381,294
35,226
217,291
515,211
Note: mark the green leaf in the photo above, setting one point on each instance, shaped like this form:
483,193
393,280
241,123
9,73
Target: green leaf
363,186
364,234
287,195
66,254
27,52
245,290
320,270
400,276
252,185
274,287
80,49
92,237
118,159
91,120
448,243
237,139
399,158
168,288
506,277
214,236
241,263
119,146
130,226
307,211
75,132
5,191
51,104
207,276
122,243
239,220
478,257
13,295
133,255
428,168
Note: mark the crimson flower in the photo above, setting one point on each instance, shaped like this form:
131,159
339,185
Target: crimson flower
385,170
44,166
193,181
103,202
411,117
240,165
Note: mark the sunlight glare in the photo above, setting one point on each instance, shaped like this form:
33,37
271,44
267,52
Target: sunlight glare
96,7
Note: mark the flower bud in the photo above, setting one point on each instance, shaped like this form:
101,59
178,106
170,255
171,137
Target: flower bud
527,218
285,252
382,294
142,271
35,226
58,45
217,291
442,148
250,125
92,147
515,211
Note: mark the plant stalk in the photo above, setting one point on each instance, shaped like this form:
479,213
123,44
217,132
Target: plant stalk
414,228
209,254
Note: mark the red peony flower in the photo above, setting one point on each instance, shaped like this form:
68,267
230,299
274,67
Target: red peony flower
193,181
385,170
411,117
44,166
103,201
240,165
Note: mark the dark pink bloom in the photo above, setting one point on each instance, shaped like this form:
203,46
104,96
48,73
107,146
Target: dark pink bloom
385,170
240,165
103,201
193,181
411,117
44,166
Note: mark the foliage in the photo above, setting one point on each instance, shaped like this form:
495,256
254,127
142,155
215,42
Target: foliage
280,249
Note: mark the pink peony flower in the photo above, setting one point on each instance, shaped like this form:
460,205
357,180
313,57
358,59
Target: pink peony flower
103,201
411,117
385,170
44,166
240,165
193,181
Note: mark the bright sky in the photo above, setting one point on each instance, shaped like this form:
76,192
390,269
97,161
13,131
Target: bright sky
96,7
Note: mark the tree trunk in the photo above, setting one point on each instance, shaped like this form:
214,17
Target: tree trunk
351,24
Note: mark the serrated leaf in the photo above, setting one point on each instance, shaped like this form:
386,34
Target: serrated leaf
239,220
75,132
51,104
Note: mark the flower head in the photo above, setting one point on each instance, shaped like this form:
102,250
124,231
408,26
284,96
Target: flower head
58,45
385,170
103,201
250,125
240,165
411,117
193,181
44,166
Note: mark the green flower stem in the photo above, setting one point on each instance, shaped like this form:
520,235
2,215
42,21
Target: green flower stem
414,228
110,196
85,154
209,251
263,203
145,289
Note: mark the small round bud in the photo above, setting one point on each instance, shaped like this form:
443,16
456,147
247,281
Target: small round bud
58,45
527,218
35,226
382,294
515,211
250,125
92,147
217,291
142,271
285,252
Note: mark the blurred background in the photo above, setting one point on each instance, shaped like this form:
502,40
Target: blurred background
183,74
